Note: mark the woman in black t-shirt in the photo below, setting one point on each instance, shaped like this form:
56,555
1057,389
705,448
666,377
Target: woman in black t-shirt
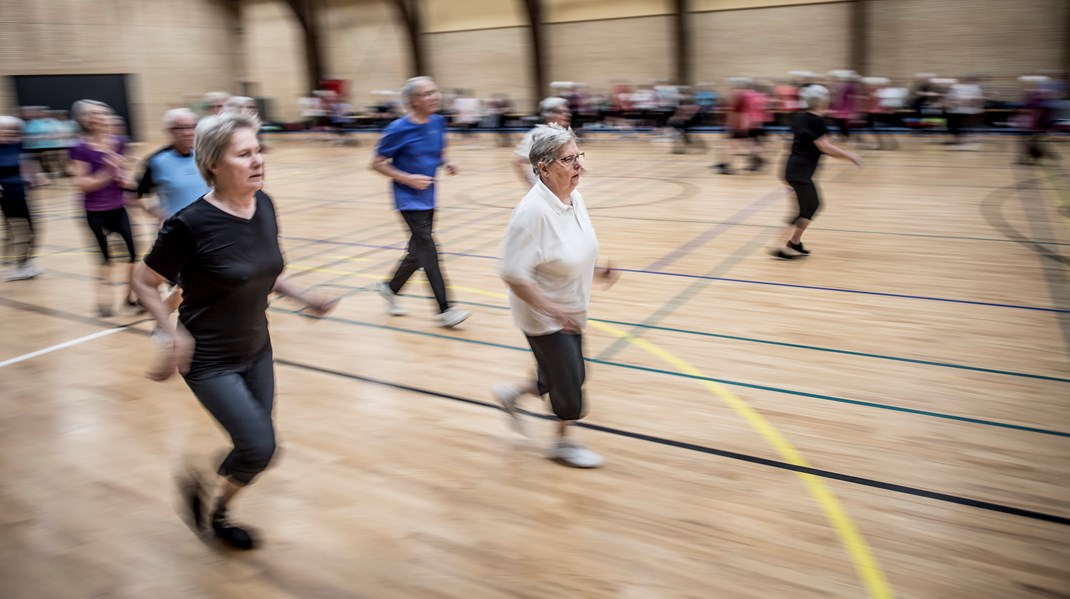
225,249
810,142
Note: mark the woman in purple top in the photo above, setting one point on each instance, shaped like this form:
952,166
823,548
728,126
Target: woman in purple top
100,172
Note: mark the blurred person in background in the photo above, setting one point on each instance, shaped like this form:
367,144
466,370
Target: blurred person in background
877,113
225,248
843,109
241,104
1036,116
35,138
964,103
552,110
17,174
409,152
213,103
548,263
99,167
810,142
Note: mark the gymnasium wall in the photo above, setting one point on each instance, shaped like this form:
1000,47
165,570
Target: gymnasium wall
1000,38
170,47
771,41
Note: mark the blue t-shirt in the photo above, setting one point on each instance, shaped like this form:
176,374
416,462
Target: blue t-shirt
10,171
174,178
415,149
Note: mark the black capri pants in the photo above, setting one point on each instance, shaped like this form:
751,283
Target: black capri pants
807,198
102,222
241,398
561,372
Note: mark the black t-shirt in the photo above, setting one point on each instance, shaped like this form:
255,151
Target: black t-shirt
228,266
805,154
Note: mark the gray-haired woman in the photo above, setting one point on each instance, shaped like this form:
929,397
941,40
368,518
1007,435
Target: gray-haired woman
552,110
810,142
225,246
548,263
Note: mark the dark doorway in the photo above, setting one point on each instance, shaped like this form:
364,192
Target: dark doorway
59,92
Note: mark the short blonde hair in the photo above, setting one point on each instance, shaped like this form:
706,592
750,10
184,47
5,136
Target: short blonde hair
213,135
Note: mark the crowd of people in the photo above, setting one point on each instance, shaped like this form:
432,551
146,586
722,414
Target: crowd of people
216,258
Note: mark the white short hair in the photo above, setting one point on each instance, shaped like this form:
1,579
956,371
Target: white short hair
549,106
813,96
238,102
213,135
171,116
81,107
408,90
11,122
546,141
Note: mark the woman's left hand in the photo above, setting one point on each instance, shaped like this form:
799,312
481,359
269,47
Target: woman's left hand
319,306
607,274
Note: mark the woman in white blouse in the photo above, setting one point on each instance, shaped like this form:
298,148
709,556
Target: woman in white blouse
548,263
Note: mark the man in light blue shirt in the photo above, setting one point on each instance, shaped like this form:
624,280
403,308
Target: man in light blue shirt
409,152
171,173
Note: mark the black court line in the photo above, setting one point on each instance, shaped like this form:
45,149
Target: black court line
828,474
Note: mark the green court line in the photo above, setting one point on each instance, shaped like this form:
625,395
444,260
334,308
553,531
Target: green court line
832,398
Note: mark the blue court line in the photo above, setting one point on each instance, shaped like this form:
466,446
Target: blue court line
831,350
714,231
832,398
754,282
857,291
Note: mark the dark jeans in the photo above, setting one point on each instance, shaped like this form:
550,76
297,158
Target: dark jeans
421,253
561,372
241,397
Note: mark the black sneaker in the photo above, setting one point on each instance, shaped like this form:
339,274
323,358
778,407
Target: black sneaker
798,247
229,534
783,255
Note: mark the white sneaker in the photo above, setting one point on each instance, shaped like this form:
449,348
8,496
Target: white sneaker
571,453
453,317
393,307
507,396
21,273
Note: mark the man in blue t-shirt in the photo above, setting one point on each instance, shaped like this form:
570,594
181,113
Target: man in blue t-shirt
171,173
410,152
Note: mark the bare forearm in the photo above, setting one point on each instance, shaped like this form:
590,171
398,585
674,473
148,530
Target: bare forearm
90,183
146,285
285,288
530,295
387,168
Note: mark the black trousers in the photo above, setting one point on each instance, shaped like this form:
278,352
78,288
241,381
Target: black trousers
102,222
18,223
421,253
240,397
561,372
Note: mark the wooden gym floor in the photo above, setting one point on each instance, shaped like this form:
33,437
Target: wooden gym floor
888,417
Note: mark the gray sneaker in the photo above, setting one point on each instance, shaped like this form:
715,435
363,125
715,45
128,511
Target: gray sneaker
571,453
393,306
507,397
453,317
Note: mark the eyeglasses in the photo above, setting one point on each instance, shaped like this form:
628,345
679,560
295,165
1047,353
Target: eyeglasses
183,127
570,160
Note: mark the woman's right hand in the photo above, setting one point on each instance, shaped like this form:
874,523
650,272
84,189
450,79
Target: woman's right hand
569,321
176,356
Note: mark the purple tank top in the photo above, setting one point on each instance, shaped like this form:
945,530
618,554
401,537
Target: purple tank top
110,196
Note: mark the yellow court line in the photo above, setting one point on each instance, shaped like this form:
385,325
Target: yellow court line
858,550
865,564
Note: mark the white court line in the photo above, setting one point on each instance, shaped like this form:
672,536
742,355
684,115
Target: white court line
63,345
